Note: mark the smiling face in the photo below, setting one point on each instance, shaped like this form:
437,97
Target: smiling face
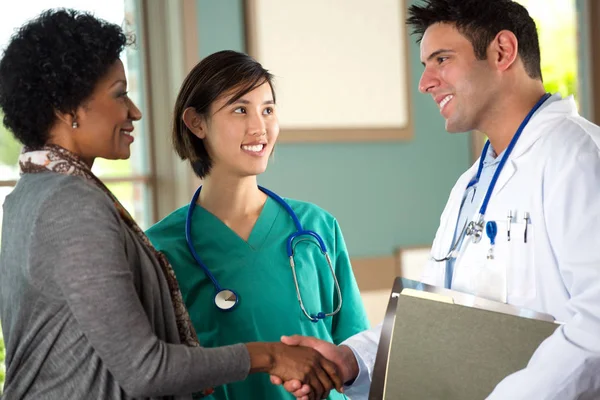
102,125
461,85
105,120
239,137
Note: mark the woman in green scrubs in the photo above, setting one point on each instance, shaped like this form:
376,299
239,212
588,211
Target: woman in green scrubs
225,124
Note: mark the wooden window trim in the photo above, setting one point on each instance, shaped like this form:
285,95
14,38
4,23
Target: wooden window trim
593,16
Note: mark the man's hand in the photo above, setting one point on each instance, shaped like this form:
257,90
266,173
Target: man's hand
296,363
341,356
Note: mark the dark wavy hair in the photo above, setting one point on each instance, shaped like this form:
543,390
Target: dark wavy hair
52,64
480,21
223,72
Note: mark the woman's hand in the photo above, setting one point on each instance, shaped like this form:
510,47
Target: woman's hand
299,363
342,356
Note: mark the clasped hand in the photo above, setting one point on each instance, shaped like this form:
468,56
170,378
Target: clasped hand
341,357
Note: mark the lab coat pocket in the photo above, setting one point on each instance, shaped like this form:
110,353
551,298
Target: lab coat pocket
479,274
521,274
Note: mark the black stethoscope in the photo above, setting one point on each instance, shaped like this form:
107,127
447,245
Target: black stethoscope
228,299
475,227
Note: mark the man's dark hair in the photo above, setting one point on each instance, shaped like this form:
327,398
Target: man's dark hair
480,21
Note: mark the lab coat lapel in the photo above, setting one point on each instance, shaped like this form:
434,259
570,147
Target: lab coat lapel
507,172
448,225
529,136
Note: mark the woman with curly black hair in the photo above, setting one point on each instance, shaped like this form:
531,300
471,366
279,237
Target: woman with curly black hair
89,308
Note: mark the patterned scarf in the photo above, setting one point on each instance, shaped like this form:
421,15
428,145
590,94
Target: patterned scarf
57,159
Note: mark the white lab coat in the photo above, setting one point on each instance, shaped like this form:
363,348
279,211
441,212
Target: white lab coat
553,176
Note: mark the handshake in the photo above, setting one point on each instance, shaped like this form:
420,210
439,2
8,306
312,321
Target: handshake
307,367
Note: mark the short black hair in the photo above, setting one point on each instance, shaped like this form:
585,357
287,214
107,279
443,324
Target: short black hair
52,64
224,72
480,21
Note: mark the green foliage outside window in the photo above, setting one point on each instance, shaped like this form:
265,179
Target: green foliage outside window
557,32
9,147
2,355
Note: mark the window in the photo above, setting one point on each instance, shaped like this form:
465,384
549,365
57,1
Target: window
131,180
2,372
557,32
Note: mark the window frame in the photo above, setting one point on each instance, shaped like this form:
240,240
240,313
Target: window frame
174,37
592,16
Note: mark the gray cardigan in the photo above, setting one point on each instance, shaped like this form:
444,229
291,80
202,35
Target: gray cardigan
85,309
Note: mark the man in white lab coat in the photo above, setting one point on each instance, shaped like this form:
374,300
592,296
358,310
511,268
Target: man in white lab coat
538,182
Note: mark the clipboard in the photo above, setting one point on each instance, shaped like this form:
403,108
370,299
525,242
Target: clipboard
442,344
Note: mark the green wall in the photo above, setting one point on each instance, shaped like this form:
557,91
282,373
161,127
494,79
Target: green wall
384,195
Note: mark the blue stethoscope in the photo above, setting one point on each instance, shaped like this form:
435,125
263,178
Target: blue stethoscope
475,227
228,299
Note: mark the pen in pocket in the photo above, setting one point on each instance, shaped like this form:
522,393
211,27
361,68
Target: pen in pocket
526,218
508,222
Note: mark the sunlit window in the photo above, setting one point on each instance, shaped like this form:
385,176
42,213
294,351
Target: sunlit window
556,21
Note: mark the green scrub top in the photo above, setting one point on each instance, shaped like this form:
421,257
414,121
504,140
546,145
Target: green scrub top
258,271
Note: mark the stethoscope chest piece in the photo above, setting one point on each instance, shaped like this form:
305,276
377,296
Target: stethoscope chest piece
475,229
226,299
